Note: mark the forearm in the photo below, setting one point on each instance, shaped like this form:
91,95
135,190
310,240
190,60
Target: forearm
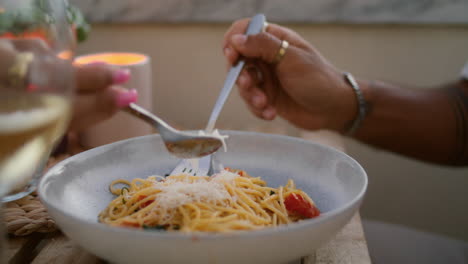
426,124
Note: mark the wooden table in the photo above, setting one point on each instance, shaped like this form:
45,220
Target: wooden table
347,247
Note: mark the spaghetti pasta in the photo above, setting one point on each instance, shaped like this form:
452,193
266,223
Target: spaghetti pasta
228,201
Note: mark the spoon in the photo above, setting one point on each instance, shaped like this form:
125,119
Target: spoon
185,145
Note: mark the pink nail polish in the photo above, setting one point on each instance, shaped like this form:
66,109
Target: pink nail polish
121,76
124,98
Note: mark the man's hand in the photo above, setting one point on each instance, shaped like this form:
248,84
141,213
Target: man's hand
304,88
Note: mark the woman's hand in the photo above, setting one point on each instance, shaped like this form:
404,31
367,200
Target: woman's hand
98,94
303,87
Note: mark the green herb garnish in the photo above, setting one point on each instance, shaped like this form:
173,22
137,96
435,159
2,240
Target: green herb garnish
37,16
122,190
156,227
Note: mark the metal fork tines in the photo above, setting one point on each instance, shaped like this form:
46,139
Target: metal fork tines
195,167
208,165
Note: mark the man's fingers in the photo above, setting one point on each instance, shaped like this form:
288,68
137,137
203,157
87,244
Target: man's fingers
249,91
231,55
256,99
244,82
238,27
98,76
262,46
287,34
269,113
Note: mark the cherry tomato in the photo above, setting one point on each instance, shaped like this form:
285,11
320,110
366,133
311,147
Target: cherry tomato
130,224
298,206
143,205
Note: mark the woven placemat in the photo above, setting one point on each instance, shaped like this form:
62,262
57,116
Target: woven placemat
28,215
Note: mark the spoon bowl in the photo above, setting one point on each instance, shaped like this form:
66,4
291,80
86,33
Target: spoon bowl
185,145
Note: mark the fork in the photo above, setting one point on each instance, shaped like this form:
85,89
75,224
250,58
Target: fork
209,165
193,167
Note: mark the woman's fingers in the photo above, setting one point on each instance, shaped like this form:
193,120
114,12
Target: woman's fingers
35,45
8,55
98,96
98,76
90,109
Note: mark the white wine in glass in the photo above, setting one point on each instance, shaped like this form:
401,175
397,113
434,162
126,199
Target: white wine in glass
37,42
30,125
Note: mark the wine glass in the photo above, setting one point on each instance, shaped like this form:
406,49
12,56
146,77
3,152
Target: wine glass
37,44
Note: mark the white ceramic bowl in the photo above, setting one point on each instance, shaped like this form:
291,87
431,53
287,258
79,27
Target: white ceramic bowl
76,190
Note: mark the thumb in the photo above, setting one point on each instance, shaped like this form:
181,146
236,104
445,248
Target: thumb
262,46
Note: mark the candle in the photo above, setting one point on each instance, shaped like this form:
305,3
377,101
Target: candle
121,126
124,59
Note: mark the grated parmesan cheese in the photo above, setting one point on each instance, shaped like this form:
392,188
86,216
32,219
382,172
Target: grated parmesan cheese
175,193
225,176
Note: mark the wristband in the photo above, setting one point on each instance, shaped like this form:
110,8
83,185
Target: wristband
362,104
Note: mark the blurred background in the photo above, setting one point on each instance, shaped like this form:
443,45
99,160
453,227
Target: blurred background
421,43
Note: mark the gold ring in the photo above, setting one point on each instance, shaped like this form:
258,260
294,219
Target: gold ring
17,72
281,52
